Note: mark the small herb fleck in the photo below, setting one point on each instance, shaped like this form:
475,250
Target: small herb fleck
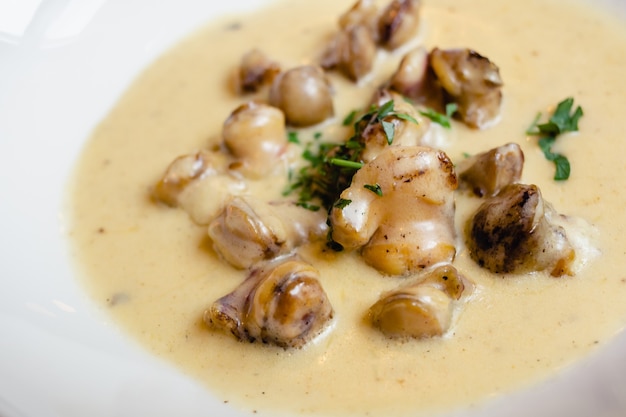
389,130
349,119
292,137
342,203
442,119
375,188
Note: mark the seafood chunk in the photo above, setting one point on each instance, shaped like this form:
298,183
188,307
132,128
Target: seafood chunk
255,71
281,302
399,210
406,132
249,230
470,80
488,172
182,171
198,183
352,51
362,13
303,94
255,135
398,23
515,232
422,309
415,79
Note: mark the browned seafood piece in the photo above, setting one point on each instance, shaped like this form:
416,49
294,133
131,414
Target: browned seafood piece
470,80
422,309
488,172
249,230
182,171
415,80
282,302
362,13
405,132
304,94
256,136
398,23
448,279
352,51
255,71
399,210
515,232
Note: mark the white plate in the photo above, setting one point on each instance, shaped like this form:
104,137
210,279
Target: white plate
62,66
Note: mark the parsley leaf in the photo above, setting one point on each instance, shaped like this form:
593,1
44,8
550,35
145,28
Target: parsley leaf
442,119
389,130
292,137
562,120
375,188
349,119
342,203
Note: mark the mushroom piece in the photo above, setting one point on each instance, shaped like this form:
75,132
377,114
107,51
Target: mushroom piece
406,132
415,80
398,23
255,71
422,309
515,232
352,51
249,230
399,209
282,302
488,172
303,94
255,135
470,80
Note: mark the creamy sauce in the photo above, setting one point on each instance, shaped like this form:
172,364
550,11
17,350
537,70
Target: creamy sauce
155,272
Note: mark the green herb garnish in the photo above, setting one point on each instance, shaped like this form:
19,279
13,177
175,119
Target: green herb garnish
375,188
331,166
292,137
342,203
562,120
349,119
442,119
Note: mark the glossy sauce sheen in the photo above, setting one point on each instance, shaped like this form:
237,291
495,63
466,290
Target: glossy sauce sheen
155,272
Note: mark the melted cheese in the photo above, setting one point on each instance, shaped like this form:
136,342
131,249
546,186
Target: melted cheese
154,270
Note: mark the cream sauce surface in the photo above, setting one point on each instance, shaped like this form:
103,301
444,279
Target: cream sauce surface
154,270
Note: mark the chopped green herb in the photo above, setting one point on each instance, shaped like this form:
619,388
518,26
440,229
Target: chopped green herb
562,120
389,130
317,135
292,137
342,203
406,117
385,110
345,163
560,162
308,206
349,119
331,166
375,189
466,154
442,119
